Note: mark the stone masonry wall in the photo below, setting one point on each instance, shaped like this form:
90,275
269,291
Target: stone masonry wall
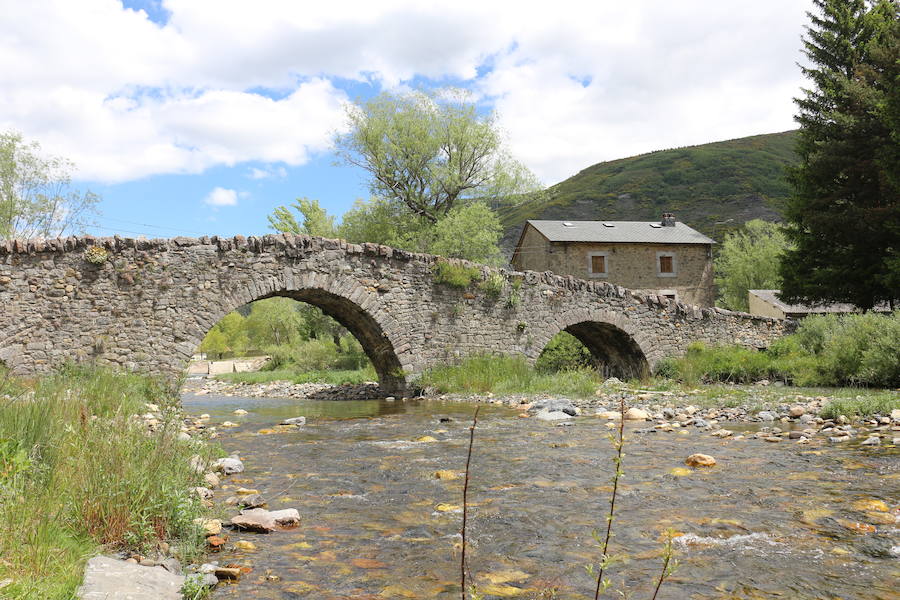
148,304
630,265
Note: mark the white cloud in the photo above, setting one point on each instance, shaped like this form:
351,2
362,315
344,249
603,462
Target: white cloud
267,172
221,197
574,82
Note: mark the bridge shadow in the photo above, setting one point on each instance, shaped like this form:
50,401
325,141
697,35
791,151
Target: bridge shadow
613,350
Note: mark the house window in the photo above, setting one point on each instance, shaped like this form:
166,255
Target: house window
598,264
665,264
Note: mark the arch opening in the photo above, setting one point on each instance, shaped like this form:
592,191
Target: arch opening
306,330
614,352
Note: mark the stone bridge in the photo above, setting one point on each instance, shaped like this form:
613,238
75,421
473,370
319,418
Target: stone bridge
147,304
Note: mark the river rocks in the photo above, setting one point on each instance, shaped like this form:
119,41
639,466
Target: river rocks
240,412
722,433
211,480
609,415
636,414
700,460
872,440
228,573
546,415
106,578
446,475
209,526
796,411
294,421
766,415
228,466
265,521
895,415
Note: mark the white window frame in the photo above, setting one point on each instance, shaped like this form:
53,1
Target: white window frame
674,272
590,264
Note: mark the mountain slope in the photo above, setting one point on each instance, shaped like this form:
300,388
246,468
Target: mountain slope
713,187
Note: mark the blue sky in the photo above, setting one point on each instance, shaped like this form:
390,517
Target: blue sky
194,117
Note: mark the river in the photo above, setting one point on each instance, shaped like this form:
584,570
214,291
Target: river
768,521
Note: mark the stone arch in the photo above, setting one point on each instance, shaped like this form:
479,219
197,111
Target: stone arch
612,339
358,310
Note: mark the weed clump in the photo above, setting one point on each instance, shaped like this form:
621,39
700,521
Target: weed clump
455,275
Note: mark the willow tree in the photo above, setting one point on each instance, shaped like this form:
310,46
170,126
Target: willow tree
844,213
431,152
36,197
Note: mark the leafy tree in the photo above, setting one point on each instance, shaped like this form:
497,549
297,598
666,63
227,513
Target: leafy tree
749,259
377,221
274,322
214,344
35,195
316,220
844,215
430,152
471,231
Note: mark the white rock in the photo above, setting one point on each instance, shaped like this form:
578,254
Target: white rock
556,415
294,421
106,578
239,412
228,466
636,414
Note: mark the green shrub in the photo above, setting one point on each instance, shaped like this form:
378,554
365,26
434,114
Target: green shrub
564,352
455,275
832,350
493,285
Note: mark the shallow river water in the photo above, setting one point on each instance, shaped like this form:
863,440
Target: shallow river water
769,521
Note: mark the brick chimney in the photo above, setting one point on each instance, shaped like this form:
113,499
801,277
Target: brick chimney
668,220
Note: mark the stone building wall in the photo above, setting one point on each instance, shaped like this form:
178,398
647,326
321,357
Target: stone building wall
146,305
633,266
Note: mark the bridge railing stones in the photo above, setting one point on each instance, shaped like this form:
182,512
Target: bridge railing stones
150,304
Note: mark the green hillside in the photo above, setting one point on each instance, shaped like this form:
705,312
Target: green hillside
713,187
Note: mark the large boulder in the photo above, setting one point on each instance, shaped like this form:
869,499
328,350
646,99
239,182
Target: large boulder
106,578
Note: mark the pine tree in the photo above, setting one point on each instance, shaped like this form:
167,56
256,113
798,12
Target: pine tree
844,214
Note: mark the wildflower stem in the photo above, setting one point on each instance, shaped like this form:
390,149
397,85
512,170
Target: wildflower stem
462,559
612,503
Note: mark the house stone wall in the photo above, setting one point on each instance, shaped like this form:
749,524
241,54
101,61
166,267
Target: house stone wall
147,304
630,265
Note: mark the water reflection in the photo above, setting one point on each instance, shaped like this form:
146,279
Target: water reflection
771,520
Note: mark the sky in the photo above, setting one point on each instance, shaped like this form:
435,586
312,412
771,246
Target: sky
199,117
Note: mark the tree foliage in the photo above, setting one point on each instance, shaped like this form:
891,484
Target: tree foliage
316,220
749,259
844,215
36,199
430,152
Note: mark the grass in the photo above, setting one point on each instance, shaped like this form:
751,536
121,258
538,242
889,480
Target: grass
508,375
79,475
332,377
862,405
455,275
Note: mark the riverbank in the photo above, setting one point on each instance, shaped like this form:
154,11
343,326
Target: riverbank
786,413
94,461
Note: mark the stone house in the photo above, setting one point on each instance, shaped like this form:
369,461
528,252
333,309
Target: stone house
666,258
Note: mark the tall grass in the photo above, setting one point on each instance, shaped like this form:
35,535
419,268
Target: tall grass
508,375
856,350
79,474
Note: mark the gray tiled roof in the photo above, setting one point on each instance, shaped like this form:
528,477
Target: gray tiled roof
618,232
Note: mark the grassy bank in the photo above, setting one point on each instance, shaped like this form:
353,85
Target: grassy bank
509,375
331,377
833,350
78,474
